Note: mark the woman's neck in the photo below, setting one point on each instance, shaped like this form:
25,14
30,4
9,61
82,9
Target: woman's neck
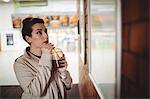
36,51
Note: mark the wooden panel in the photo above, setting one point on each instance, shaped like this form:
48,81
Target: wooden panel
135,57
129,89
139,37
129,67
86,87
125,37
134,9
143,76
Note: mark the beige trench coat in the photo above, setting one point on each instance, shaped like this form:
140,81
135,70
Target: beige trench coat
37,78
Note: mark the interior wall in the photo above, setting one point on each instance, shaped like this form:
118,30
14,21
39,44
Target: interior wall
7,9
135,49
5,18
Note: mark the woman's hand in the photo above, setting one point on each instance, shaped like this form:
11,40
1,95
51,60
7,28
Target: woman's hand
62,63
47,47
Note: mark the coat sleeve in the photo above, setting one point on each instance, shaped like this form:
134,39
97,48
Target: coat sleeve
66,78
34,84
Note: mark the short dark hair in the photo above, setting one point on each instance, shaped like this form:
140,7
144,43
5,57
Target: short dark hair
27,24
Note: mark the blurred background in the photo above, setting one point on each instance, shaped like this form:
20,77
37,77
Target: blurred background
105,42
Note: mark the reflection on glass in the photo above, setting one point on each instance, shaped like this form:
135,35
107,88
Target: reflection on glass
103,45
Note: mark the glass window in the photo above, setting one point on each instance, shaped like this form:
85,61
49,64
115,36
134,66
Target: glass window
103,46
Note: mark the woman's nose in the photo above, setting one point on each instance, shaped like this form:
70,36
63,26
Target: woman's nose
45,35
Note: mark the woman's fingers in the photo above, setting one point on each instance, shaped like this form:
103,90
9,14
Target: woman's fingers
63,62
51,46
48,46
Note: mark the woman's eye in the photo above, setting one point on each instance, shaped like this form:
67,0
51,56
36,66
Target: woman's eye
45,31
39,32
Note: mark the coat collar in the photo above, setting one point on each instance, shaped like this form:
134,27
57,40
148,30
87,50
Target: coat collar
29,55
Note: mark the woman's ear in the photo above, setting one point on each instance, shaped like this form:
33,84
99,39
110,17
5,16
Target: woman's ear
28,39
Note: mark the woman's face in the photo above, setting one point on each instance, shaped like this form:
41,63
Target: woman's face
39,35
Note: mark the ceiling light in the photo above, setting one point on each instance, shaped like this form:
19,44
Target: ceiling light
6,0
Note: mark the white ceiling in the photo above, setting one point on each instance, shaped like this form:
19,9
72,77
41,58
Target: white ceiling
1,1
61,7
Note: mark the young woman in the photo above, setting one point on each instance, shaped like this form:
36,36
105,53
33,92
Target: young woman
35,71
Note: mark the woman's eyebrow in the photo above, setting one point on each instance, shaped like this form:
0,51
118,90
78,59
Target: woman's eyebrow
39,29
42,29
